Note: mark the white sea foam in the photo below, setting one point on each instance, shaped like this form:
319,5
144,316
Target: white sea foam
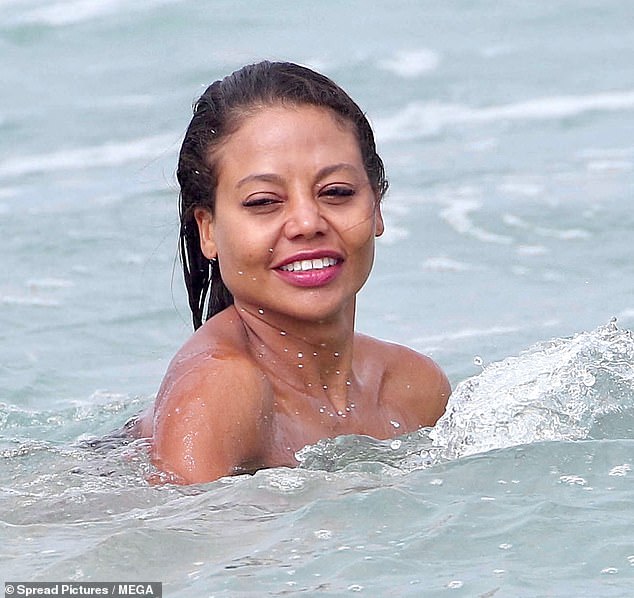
521,188
114,153
62,13
427,119
446,264
411,64
393,234
457,215
465,334
553,391
615,153
49,283
515,221
609,166
29,301
570,234
531,250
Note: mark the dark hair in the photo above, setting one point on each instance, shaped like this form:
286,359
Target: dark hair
217,114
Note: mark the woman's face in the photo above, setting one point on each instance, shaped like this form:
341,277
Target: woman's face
295,216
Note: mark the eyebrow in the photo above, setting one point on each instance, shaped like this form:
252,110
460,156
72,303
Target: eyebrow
267,177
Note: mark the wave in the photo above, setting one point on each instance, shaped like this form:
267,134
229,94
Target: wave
57,14
428,119
566,389
411,64
115,153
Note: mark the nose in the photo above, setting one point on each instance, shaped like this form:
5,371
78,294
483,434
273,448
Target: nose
304,218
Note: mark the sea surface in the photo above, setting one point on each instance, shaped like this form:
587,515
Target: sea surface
507,129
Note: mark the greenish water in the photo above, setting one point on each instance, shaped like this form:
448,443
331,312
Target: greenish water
506,129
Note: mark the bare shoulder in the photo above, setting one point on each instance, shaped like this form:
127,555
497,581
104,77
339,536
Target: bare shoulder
411,382
210,413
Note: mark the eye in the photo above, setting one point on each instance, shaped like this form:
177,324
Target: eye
261,203
337,193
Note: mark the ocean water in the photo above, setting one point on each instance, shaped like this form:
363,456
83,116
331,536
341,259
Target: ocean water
507,130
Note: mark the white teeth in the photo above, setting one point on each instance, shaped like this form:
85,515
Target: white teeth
316,264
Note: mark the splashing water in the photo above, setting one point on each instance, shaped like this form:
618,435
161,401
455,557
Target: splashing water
564,389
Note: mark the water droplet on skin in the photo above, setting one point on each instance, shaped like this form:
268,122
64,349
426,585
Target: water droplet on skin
299,365
348,409
260,311
348,383
322,410
177,410
260,355
325,387
283,332
351,405
270,250
240,272
395,423
300,355
314,353
338,372
339,412
336,354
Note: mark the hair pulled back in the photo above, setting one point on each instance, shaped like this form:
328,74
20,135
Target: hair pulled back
217,114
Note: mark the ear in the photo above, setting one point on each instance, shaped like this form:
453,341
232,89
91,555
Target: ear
379,225
205,222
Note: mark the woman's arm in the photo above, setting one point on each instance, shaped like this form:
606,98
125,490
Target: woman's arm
209,420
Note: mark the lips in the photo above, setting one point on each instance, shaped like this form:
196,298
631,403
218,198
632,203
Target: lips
313,264
310,270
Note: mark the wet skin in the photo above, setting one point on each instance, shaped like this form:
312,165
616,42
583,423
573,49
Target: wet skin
293,231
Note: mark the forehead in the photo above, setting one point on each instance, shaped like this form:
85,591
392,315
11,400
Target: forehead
265,130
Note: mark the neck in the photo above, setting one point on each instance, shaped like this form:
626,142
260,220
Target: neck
313,358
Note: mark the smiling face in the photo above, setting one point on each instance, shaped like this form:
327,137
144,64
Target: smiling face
295,215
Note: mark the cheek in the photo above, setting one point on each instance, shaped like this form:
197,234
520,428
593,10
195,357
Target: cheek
241,256
361,234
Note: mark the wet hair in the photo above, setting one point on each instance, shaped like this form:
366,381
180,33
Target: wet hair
218,113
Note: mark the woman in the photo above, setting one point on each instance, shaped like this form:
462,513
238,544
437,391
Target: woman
280,205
